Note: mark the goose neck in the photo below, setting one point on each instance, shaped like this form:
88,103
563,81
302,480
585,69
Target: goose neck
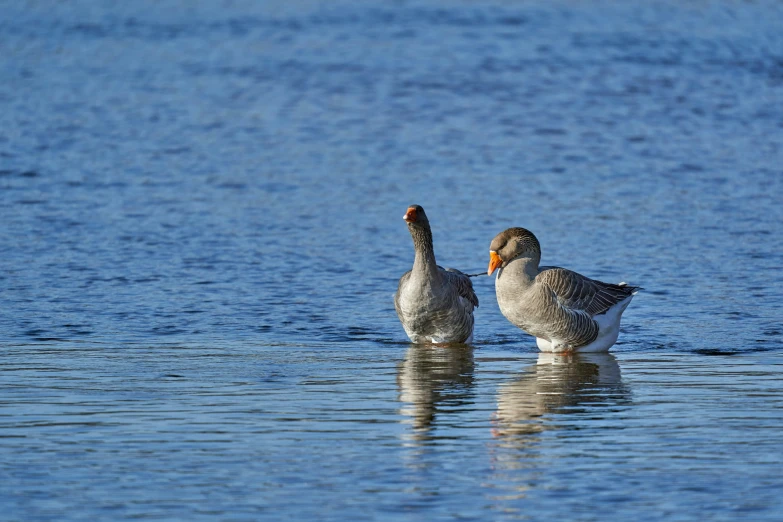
425,254
522,270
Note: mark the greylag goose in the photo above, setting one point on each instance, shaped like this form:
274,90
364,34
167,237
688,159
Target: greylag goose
563,310
434,304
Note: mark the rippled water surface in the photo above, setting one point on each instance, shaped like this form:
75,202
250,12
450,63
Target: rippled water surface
200,235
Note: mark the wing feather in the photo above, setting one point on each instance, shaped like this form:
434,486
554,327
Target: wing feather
461,282
577,292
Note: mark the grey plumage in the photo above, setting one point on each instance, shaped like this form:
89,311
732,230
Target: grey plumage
578,292
462,283
560,307
434,304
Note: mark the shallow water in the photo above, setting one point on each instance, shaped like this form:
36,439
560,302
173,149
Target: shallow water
201,232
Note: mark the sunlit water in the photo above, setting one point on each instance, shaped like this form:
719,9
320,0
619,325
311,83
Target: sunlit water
200,235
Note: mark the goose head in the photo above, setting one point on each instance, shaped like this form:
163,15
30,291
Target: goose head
511,244
416,218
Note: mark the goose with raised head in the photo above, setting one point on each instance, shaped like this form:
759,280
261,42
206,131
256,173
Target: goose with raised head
563,310
434,304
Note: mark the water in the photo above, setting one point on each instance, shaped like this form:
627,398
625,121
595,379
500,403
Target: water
201,232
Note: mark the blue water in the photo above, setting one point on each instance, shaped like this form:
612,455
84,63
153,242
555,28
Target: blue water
200,235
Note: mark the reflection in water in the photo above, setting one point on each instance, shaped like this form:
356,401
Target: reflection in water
532,403
557,384
431,379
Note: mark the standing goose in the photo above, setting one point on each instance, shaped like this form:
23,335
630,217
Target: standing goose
564,310
435,305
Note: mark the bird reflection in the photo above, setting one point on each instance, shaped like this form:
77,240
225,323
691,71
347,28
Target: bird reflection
431,379
539,400
557,384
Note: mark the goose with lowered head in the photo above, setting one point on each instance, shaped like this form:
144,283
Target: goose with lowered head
563,310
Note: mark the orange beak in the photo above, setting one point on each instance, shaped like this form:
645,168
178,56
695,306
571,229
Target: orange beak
410,215
494,262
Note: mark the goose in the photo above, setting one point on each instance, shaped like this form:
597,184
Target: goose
563,310
434,304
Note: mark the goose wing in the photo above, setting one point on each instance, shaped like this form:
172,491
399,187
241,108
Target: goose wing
577,292
461,283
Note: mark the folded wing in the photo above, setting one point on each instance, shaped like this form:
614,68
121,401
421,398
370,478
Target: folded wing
461,284
577,292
